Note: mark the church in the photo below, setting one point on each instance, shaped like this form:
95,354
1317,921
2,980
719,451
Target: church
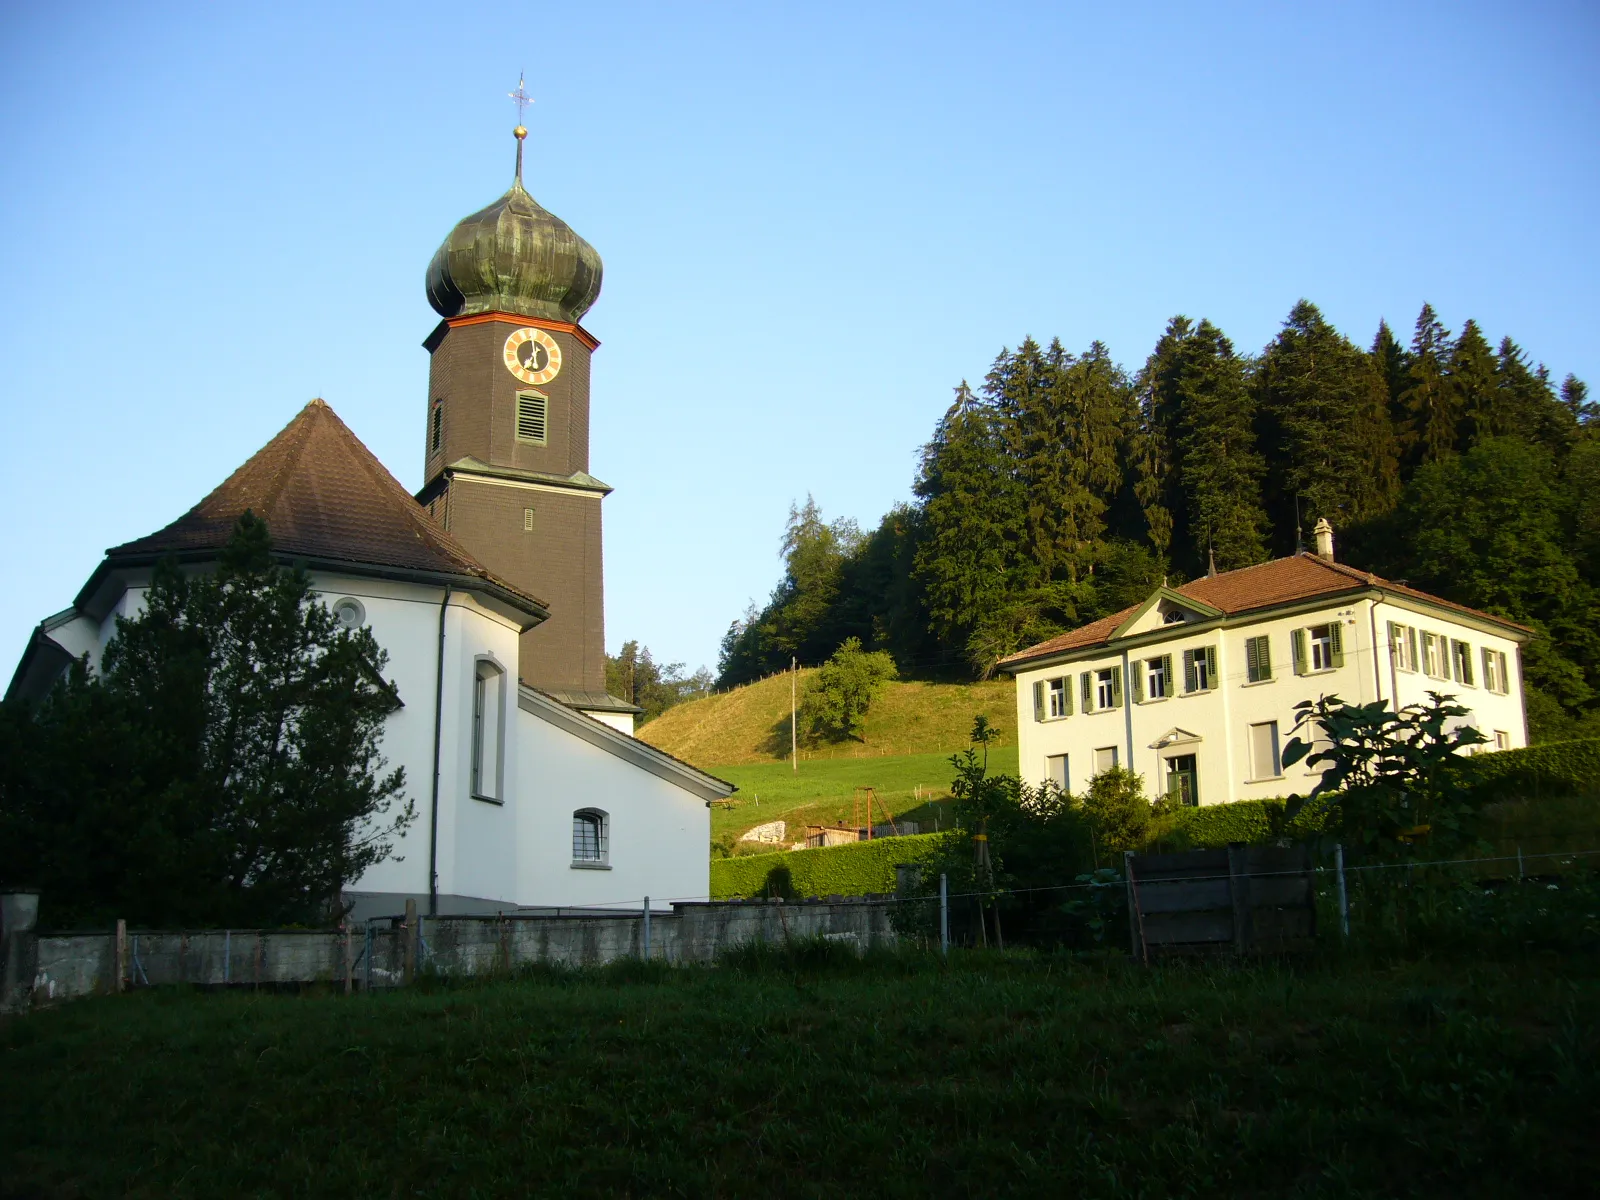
486,589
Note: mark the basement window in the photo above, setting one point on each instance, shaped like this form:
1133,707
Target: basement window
533,411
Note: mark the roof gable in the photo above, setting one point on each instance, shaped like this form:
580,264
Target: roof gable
1165,607
326,497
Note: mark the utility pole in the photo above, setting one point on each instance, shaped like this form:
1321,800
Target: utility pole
794,736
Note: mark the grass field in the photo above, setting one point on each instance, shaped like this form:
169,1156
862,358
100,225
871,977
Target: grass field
916,787
813,1076
751,724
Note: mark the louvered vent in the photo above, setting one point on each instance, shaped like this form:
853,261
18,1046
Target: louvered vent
532,417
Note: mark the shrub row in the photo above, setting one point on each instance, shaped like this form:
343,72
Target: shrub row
1213,826
854,870
1555,768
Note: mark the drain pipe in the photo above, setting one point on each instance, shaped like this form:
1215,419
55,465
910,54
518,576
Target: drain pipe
438,730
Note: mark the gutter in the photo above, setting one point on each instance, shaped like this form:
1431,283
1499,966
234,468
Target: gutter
438,729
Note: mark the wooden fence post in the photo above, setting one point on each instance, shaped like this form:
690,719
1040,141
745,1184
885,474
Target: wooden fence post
119,955
349,963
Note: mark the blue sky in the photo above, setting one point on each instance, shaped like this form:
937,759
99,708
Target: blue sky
815,219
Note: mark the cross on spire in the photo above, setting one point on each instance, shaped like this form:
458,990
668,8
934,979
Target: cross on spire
520,97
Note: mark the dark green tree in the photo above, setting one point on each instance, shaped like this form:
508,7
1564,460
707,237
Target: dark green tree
1198,401
1529,402
222,768
1473,372
632,674
1430,403
1394,364
1325,429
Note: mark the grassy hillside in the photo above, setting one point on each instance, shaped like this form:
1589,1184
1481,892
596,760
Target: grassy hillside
914,787
751,724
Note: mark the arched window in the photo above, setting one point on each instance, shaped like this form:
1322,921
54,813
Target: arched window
591,837
487,704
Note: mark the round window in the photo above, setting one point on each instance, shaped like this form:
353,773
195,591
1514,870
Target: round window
349,613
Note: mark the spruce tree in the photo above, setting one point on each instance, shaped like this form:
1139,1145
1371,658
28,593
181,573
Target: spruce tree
1324,427
1200,410
1531,404
1430,403
1473,372
1394,364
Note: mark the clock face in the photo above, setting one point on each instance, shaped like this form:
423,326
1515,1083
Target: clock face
533,356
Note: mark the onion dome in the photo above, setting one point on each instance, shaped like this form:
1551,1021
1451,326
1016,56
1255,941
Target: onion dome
514,257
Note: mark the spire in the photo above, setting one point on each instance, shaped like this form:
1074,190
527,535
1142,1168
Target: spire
521,99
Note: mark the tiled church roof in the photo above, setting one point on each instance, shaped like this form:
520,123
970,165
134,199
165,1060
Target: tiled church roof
1264,586
324,496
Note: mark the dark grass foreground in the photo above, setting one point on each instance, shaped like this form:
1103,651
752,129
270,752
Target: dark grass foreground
812,1075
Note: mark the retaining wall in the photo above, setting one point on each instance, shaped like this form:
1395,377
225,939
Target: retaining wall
388,953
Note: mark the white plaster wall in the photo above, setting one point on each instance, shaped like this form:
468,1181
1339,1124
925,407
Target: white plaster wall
1491,711
1221,718
660,834
621,722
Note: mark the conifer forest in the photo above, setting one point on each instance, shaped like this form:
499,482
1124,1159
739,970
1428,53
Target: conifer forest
1064,487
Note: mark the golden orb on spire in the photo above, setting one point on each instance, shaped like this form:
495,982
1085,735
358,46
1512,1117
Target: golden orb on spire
519,133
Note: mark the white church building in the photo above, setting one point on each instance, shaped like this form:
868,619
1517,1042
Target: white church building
1195,688
484,589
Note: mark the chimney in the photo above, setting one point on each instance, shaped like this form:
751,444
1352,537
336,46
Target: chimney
1324,535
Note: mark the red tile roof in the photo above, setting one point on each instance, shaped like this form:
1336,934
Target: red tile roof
1266,585
324,496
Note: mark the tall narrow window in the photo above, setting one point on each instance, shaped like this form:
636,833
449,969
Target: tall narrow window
591,837
1055,771
1108,688
1403,646
1433,657
487,705
1060,698
1264,760
1461,662
1105,759
1200,669
1258,659
1158,677
533,411
527,520
436,426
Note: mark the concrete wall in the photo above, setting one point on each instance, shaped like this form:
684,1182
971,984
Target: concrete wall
65,966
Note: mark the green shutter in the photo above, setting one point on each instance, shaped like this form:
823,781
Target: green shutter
1336,642
1166,672
1411,649
1188,671
1087,690
1252,659
1116,687
1264,657
1211,668
1136,680
1297,639
1038,700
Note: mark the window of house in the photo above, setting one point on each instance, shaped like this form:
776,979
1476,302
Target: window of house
436,426
1264,760
591,837
1403,646
1494,671
1258,659
1105,759
533,411
527,520
1318,648
1183,780
1108,687
487,705
1060,698
1158,677
1461,662
1321,639
1200,669
1502,740
1432,657
1055,771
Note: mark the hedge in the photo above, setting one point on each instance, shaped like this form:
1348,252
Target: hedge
1213,826
851,870
1555,768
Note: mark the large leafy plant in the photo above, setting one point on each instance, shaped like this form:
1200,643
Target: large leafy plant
1387,775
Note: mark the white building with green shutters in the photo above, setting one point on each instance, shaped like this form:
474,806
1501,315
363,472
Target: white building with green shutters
1195,689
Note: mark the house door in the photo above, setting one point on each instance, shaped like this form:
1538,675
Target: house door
1183,783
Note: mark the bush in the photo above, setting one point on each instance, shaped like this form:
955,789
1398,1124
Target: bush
1555,768
839,695
1214,826
1118,812
864,868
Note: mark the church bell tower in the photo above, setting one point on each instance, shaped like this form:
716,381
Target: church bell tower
507,427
